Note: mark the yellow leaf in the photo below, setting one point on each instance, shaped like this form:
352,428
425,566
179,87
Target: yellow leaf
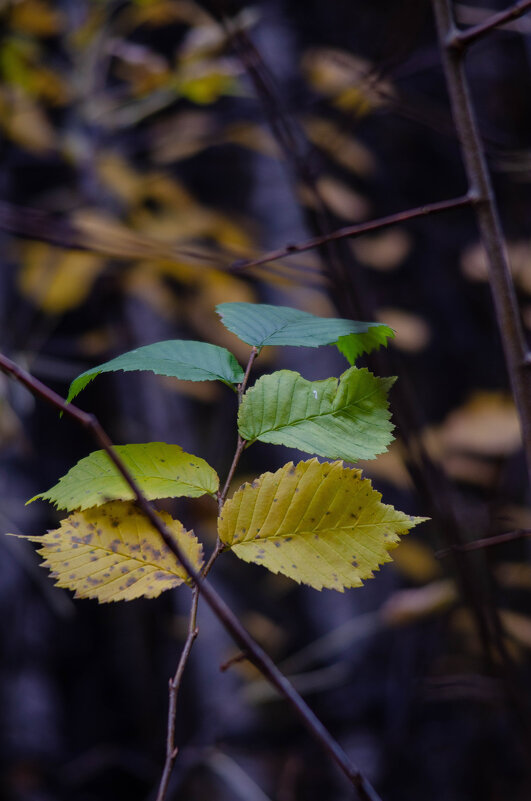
57,280
320,524
112,553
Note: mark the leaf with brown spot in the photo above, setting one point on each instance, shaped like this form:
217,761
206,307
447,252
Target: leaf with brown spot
112,553
334,532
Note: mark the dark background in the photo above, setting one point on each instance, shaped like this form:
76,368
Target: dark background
133,133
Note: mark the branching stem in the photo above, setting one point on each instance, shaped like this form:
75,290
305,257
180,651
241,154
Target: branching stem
193,631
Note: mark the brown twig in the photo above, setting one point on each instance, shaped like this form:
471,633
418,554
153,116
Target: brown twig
241,656
485,542
352,231
193,631
173,692
480,188
223,612
461,39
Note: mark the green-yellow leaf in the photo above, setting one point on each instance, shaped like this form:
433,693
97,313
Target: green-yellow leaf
112,553
349,420
319,524
161,471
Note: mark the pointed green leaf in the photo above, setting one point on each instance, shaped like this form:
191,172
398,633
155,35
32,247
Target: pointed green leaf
112,553
180,358
320,524
353,345
259,324
347,421
160,470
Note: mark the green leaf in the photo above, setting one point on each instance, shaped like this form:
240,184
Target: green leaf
348,421
320,524
180,358
160,470
112,553
259,324
353,345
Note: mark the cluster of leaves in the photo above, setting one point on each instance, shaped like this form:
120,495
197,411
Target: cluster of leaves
318,523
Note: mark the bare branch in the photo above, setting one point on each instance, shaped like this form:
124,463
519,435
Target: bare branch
485,542
461,39
352,231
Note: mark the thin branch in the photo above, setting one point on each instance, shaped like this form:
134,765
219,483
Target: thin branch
485,542
352,231
461,39
173,692
193,631
487,214
223,612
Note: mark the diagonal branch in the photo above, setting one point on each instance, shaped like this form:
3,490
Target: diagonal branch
223,612
485,542
352,231
461,39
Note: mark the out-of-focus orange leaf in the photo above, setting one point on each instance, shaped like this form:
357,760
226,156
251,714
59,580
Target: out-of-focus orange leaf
486,424
516,575
342,200
385,251
25,122
408,606
342,148
416,561
474,263
36,18
517,626
350,81
412,332
389,466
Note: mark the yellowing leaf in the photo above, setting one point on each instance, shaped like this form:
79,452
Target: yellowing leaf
112,553
161,471
320,524
58,280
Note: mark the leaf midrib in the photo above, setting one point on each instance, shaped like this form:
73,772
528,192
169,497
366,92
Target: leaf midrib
313,417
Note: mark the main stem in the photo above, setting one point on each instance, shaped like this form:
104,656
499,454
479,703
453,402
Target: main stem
193,631
480,188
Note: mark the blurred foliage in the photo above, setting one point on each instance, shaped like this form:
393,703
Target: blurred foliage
140,165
